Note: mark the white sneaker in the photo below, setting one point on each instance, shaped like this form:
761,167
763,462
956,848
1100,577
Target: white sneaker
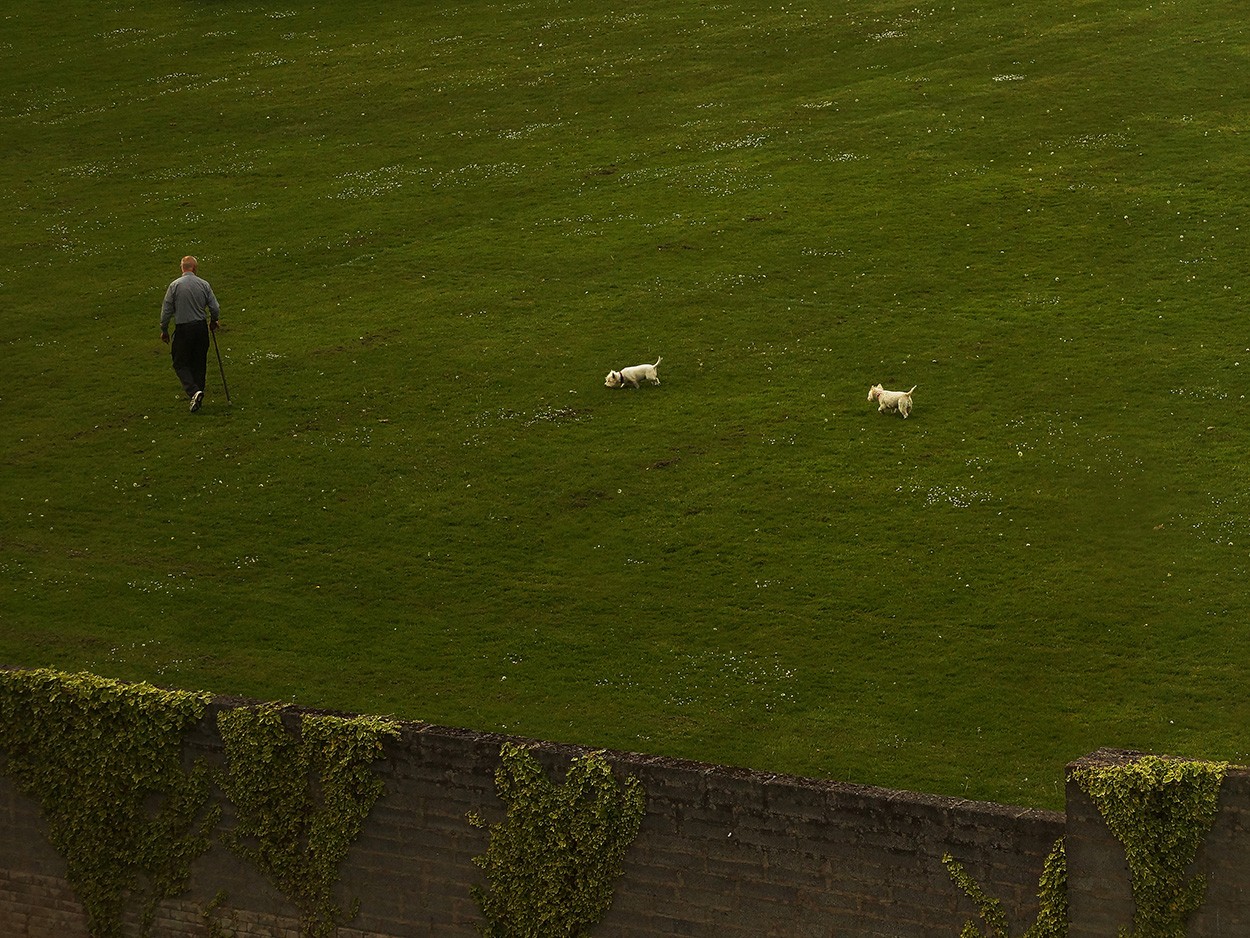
196,400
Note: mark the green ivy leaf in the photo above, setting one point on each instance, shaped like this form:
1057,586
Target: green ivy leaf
301,800
97,754
552,862
1160,810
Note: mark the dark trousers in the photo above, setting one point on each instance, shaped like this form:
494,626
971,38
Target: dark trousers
188,347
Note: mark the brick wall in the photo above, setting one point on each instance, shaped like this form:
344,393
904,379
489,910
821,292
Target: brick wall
722,852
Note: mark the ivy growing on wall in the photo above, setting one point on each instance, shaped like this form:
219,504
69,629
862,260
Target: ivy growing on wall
301,799
553,861
991,910
1160,810
1052,895
104,761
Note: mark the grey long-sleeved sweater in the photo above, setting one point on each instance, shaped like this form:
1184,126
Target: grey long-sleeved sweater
186,301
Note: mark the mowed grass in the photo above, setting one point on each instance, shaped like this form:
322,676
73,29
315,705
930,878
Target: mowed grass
433,229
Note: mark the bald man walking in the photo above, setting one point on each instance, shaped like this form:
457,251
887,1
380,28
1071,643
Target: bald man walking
190,303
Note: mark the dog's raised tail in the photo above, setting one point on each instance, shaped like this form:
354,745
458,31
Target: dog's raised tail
913,387
658,359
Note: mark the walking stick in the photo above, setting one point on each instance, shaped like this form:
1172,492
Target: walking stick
220,367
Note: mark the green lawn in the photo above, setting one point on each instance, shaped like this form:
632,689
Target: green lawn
433,229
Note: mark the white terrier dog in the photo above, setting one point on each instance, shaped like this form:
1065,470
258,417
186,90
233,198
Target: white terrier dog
632,376
891,401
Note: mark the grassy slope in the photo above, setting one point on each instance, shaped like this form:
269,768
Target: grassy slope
433,230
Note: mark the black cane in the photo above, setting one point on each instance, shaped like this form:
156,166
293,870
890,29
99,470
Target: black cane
220,367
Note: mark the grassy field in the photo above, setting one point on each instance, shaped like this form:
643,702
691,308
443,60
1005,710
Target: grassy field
433,228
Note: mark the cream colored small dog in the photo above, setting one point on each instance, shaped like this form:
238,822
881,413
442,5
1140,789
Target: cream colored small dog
632,376
891,401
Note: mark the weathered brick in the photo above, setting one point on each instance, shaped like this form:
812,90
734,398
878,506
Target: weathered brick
723,853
